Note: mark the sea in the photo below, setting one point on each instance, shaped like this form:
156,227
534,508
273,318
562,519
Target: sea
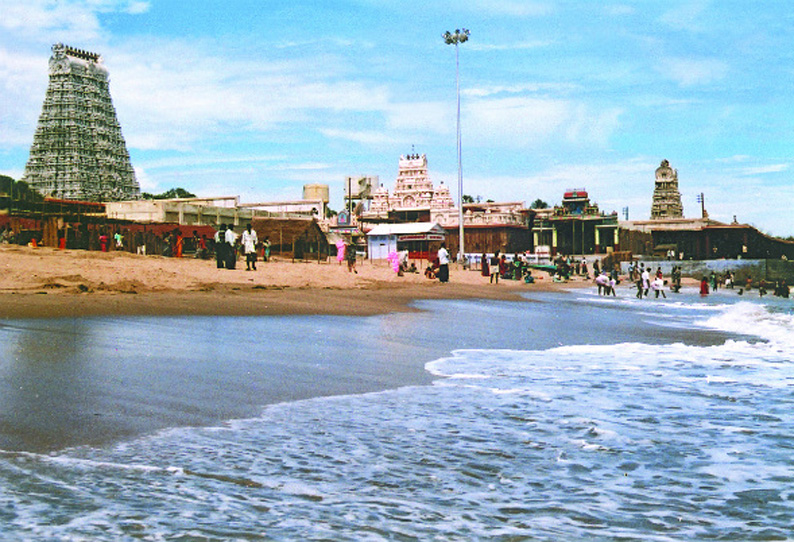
569,416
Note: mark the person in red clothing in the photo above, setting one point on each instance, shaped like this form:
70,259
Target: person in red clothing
103,242
486,270
704,286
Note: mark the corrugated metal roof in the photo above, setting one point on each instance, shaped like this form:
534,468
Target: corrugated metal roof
403,229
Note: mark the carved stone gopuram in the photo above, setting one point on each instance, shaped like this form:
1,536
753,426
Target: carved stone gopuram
78,151
666,197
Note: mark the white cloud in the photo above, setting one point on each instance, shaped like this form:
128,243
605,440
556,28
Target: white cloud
491,90
167,104
366,137
619,10
513,8
513,46
46,20
137,8
686,16
691,71
761,170
421,117
522,121
146,183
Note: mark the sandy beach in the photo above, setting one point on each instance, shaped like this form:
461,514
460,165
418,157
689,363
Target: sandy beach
46,282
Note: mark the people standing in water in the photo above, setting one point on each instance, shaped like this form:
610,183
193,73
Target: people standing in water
646,281
676,278
704,286
638,280
657,285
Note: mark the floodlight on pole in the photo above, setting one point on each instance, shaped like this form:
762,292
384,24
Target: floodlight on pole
450,38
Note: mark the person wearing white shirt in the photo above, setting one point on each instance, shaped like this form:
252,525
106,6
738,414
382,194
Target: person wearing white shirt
231,252
249,241
646,281
443,264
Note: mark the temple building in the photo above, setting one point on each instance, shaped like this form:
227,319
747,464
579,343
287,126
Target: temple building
575,227
414,199
666,197
78,151
488,226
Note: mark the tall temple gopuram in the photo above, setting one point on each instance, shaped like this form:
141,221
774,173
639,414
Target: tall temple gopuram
78,151
666,197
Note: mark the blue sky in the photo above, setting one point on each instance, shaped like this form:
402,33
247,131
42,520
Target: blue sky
257,98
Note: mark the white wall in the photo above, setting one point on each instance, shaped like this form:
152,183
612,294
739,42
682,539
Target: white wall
379,246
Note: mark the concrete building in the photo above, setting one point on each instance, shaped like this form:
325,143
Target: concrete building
418,238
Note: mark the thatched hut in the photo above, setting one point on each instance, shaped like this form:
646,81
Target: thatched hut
296,238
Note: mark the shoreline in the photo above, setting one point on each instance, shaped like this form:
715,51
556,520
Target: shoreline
48,283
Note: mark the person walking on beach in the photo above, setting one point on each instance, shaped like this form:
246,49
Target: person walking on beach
179,243
249,241
495,268
220,246
231,250
350,256
443,264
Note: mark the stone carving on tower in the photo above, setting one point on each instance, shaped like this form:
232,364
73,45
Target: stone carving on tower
666,197
413,189
78,151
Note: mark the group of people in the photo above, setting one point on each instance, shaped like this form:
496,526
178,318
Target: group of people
227,244
498,267
647,281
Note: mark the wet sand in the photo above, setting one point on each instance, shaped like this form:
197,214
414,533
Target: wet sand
78,366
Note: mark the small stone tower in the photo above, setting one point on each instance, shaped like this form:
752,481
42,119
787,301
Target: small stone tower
666,197
78,151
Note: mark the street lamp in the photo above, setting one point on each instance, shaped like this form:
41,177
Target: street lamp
459,36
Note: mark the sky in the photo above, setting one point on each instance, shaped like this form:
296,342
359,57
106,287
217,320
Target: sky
258,97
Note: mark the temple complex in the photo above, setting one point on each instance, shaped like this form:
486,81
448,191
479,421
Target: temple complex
414,194
666,197
78,151
575,227
489,226
416,199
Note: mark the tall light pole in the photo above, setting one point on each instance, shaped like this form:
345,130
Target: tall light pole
460,36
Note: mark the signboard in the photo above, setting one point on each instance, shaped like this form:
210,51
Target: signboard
343,218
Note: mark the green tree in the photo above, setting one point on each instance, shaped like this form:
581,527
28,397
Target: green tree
467,198
539,204
169,194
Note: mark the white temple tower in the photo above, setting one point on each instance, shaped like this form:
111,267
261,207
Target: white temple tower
78,150
666,197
